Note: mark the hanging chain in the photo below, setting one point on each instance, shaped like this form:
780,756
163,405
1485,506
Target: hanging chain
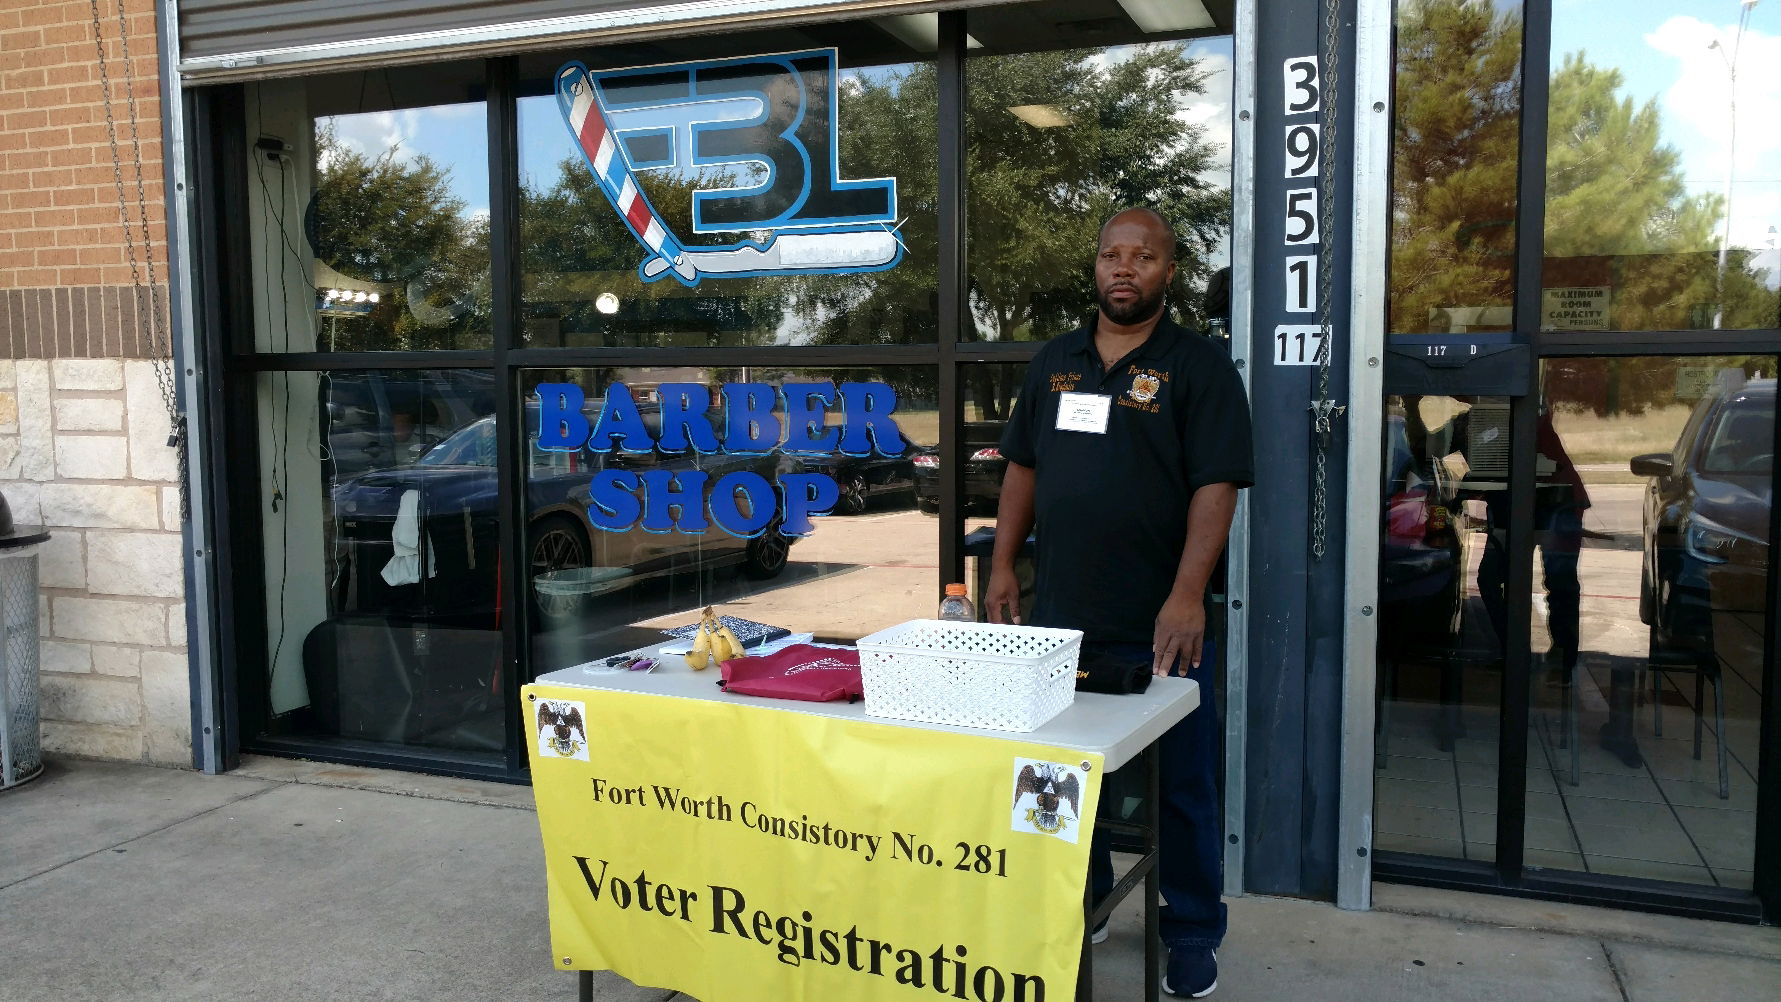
1324,410
160,343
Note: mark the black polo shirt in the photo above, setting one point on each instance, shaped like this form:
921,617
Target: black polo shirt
1112,508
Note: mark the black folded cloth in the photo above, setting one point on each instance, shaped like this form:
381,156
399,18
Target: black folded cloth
1098,671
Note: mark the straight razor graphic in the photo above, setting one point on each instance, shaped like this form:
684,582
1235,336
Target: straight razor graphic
850,250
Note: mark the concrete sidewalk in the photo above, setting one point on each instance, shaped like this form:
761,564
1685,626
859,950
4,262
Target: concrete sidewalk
292,880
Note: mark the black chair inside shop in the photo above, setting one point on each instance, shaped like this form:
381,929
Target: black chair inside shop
1668,657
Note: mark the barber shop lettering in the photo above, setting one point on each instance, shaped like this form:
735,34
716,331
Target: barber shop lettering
755,420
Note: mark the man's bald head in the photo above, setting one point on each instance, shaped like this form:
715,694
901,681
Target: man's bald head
1143,215
1134,265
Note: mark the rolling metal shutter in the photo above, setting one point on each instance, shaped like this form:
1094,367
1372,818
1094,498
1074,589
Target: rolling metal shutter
244,39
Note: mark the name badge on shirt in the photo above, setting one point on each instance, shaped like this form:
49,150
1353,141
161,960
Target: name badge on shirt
1083,412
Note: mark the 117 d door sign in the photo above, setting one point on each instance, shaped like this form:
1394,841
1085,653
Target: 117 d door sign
742,503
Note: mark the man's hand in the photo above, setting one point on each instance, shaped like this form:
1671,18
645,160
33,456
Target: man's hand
1180,627
1004,592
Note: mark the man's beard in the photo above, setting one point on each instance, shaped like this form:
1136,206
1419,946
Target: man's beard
1141,308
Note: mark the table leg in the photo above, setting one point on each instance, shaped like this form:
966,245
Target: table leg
1085,971
584,986
1153,879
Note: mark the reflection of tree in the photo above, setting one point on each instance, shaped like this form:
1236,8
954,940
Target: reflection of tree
1035,196
1038,196
1453,190
574,247
1617,211
1614,189
394,222
1615,387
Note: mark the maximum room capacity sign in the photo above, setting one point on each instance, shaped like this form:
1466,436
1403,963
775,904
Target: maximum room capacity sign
746,853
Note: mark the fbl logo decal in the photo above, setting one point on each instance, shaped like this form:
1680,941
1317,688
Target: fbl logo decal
769,119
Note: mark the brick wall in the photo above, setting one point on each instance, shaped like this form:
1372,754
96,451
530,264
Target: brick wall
82,426
59,225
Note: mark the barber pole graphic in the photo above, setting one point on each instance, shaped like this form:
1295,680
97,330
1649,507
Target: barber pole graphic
612,169
813,247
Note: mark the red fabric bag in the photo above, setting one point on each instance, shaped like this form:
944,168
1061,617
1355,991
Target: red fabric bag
801,671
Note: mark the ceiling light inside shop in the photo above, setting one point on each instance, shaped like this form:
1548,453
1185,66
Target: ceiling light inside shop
606,303
920,32
1155,16
1040,116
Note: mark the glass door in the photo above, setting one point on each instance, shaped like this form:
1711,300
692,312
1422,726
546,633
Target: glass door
1577,653
1651,593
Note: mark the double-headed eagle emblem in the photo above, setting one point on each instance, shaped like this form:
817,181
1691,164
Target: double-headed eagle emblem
1051,783
1145,388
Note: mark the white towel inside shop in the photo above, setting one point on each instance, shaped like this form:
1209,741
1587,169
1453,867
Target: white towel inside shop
405,536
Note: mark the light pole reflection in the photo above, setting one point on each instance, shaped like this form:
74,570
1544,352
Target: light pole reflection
1731,155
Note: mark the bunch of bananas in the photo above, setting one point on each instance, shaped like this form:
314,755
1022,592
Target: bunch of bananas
713,642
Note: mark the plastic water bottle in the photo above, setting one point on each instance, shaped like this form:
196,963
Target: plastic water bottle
956,607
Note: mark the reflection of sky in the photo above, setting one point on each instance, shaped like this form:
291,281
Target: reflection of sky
1210,109
1666,55
453,136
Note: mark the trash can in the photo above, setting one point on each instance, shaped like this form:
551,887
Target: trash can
21,743
981,543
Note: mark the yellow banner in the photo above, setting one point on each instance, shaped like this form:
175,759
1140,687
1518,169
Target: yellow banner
740,852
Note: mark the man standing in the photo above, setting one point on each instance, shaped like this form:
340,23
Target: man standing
1127,446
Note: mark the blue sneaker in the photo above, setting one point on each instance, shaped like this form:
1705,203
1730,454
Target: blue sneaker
1100,934
1192,972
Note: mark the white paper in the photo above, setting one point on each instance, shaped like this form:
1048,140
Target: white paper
1083,412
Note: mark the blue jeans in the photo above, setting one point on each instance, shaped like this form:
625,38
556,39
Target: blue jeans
1191,840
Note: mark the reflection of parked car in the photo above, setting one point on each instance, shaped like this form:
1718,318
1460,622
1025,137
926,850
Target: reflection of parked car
862,478
378,420
984,469
1421,550
459,505
1707,516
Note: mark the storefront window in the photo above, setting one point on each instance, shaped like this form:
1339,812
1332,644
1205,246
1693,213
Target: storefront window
1057,141
370,207
1443,624
1652,520
785,199
1663,175
631,536
380,526
1454,161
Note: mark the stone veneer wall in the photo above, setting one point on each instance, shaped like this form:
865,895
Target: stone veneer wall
83,430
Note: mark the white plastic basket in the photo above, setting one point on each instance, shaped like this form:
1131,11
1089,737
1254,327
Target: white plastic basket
1005,678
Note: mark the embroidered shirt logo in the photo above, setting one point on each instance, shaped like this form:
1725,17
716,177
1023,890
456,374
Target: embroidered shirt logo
1144,387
